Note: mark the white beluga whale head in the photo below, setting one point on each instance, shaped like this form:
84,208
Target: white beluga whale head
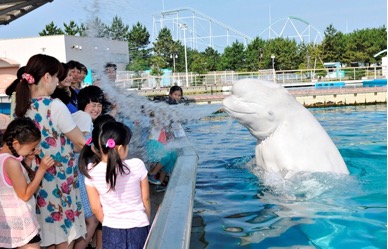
289,137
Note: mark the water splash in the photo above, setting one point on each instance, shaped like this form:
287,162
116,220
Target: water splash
133,109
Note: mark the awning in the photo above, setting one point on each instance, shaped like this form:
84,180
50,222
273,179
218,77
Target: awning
10,10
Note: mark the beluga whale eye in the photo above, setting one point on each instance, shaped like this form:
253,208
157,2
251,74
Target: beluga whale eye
271,115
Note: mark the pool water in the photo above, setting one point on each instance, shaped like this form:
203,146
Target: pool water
235,208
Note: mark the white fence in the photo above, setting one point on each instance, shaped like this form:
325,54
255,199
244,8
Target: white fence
128,79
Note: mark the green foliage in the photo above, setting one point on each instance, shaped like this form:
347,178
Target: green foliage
357,46
362,45
139,55
254,54
212,58
355,74
333,45
82,30
138,37
71,28
95,28
117,30
233,57
51,29
164,45
199,64
157,63
285,52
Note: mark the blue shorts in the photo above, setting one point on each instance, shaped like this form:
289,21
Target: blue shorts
84,196
131,238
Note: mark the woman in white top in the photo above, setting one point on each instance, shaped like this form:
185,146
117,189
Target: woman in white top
118,189
59,208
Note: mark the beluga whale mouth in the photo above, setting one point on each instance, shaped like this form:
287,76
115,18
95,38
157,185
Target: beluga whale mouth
239,106
290,139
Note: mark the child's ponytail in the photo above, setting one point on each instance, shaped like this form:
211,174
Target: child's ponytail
114,134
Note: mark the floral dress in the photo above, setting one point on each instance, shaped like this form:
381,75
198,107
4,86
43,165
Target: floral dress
59,208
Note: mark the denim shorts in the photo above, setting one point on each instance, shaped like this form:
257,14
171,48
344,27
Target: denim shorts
131,238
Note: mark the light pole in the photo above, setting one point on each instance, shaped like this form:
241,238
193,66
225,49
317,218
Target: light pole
173,56
273,67
184,27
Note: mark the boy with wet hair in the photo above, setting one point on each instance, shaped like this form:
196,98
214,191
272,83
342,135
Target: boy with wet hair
111,71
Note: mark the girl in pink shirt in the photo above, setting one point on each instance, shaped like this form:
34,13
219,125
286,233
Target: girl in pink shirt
18,223
118,188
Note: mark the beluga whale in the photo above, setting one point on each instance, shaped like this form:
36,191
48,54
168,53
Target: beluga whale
289,138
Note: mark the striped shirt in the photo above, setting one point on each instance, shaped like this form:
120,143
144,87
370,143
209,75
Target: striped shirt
123,208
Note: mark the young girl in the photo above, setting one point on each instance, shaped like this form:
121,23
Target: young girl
90,103
18,223
63,90
91,153
161,159
175,95
118,189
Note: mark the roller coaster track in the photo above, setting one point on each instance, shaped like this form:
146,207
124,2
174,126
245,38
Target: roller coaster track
306,32
219,35
173,20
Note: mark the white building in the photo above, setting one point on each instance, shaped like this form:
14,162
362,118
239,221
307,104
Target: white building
94,53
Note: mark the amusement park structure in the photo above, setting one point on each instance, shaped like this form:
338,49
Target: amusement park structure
202,31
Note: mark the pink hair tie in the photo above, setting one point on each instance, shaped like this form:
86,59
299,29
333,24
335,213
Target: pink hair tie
89,141
110,143
29,78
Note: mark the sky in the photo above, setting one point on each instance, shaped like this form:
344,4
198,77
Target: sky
250,17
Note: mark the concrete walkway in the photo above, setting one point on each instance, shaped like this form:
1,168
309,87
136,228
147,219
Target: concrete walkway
156,200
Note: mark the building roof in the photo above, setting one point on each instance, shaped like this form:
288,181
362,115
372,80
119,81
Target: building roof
10,10
6,62
5,81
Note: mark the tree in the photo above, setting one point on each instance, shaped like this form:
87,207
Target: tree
117,30
254,54
333,45
233,57
362,45
164,45
314,51
138,37
82,30
213,59
199,65
95,28
138,40
51,29
71,28
160,57
156,68
286,54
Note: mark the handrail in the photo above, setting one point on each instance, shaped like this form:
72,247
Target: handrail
128,80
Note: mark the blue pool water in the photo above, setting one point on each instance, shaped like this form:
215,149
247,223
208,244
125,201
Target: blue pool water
234,209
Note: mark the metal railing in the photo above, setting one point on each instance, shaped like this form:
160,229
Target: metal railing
130,80
171,227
